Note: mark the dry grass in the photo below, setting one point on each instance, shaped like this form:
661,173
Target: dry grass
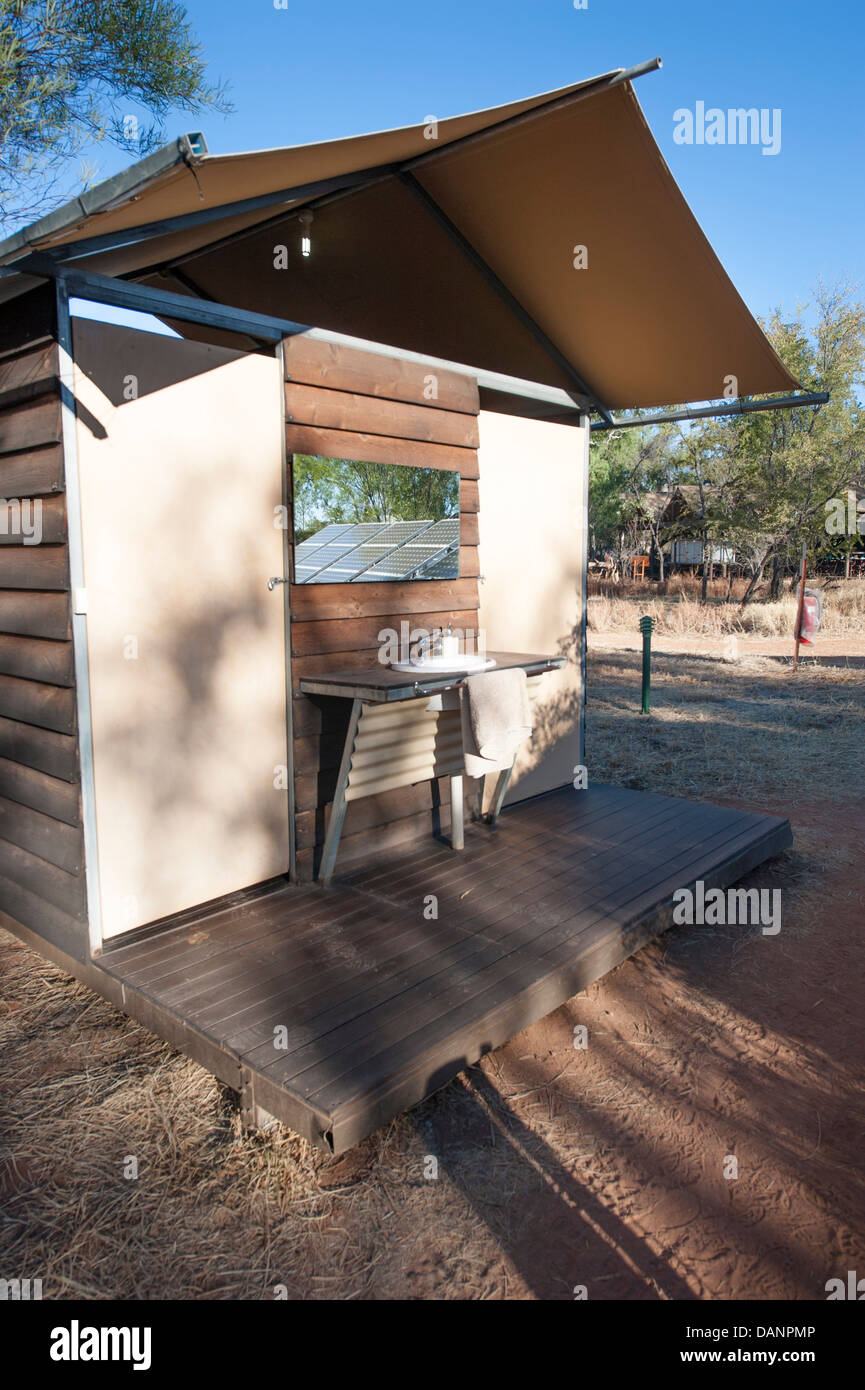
213,1213
678,611
752,729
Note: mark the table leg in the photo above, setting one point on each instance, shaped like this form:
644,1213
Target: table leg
457,817
337,810
502,781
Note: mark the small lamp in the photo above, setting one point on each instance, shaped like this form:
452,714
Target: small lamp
305,220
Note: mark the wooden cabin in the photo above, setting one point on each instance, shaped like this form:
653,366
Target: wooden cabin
222,806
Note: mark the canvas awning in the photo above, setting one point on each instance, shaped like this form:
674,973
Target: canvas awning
455,240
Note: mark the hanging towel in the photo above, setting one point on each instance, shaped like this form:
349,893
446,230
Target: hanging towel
496,719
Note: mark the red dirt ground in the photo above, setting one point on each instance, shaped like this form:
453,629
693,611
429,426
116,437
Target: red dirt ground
710,1042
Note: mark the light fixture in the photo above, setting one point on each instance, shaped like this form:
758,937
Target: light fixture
305,220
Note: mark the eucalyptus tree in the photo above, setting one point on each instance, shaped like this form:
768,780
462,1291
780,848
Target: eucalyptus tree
74,73
772,473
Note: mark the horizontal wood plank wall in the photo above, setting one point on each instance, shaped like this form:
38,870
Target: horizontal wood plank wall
347,403
41,837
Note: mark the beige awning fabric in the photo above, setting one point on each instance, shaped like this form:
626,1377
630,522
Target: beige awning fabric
652,319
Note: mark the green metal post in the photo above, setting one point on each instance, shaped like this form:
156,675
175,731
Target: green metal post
646,626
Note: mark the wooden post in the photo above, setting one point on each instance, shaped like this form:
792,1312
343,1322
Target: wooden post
800,608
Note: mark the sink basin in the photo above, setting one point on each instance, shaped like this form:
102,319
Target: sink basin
446,665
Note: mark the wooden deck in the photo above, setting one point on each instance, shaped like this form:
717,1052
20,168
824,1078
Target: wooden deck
340,1007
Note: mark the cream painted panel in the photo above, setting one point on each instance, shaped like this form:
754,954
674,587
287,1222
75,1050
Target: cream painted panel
532,538
186,644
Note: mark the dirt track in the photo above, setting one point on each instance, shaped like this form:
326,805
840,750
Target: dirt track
836,650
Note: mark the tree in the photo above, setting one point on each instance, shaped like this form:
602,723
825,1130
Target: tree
651,471
789,464
330,490
73,72
772,473
626,467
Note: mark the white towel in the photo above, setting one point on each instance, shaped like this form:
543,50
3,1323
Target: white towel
496,719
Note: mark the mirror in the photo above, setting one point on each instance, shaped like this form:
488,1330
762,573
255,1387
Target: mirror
358,522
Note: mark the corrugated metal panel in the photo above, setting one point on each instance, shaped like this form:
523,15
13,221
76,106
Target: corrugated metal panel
398,745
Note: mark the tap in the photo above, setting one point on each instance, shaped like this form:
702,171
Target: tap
430,644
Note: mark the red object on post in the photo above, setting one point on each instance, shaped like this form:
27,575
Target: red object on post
812,612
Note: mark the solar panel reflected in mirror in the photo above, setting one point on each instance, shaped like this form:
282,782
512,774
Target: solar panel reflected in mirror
407,522
312,558
304,562
320,538
436,546
447,566
375,551
366,549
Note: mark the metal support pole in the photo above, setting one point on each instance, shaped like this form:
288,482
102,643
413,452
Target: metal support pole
68,415
502,781
337,810
646,626
286,620
457,814
706,412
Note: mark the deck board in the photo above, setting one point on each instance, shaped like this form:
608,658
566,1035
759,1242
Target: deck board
380,1006
422,1026
512,927
330,1069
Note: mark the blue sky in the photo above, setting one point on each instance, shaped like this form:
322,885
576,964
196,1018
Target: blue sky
318,69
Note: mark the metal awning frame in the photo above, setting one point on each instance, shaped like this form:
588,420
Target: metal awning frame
561,406
742,406
265,328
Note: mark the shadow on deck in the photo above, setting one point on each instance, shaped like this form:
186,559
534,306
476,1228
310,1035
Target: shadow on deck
336,1009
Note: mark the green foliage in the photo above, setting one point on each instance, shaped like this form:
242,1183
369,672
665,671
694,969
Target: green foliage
762,480
775,471
625,465
330,490
74,72
610,467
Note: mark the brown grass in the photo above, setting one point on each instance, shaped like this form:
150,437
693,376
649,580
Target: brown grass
677,610
213,1213
752,729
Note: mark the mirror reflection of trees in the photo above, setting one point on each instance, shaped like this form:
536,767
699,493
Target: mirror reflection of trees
328,490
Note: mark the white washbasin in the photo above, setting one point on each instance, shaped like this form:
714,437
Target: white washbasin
446,665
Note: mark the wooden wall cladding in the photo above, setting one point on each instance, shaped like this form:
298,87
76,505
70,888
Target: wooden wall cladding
41,838
349,403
